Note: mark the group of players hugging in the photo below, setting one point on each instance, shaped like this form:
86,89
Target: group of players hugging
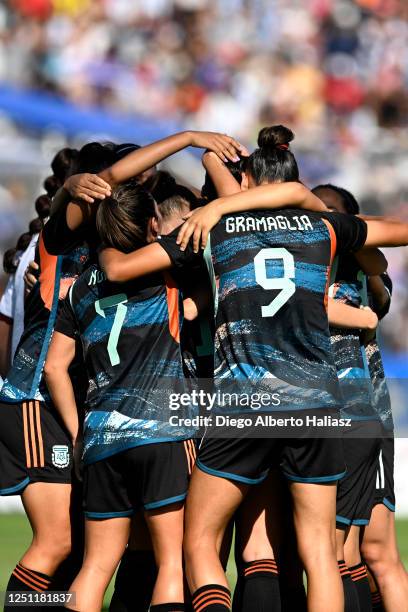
142,289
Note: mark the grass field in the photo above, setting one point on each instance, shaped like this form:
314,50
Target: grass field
15,536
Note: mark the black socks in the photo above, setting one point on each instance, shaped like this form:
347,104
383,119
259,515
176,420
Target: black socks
212,598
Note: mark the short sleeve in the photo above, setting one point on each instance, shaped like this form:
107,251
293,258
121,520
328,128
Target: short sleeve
66,322
351,231
57,236
179,258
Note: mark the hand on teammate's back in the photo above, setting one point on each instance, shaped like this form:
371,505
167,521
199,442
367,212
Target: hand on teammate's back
368,333
31,276
198,225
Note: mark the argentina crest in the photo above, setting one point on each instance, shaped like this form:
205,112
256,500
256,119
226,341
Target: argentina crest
60,456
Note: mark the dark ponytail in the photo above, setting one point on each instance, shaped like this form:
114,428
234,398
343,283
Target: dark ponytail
273,162
122,219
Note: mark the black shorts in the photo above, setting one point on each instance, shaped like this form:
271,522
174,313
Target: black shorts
149,476
384,475
248,460
34,446
356,491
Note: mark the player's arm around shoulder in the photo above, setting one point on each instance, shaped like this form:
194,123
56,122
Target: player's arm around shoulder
385,231
60,356
122,267
349,317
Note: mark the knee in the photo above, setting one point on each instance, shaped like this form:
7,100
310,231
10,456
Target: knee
316,546
56,549
380,559
196,541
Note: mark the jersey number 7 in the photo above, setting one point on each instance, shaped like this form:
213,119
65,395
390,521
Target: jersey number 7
119,301
284,283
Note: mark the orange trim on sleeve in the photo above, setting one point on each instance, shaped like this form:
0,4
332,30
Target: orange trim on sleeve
333,240
173,306
48,266
333,250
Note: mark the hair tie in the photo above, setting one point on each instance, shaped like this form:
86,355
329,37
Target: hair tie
284,147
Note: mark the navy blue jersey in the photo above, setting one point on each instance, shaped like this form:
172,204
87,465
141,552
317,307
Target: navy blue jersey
56,274
130,333
381,394
271,313
356,386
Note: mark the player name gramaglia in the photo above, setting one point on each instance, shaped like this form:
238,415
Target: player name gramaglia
259,421
278,222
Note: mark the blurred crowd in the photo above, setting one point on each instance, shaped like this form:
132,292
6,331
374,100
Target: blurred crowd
336,71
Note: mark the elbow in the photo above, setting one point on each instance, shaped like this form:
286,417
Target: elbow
50,370
112,273
300,194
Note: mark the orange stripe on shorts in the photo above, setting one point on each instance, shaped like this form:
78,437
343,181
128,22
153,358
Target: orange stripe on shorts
26,438
32,431
39,433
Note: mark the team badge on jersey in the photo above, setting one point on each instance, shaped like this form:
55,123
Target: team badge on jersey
60,456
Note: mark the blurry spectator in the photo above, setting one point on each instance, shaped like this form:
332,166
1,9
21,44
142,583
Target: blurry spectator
335,70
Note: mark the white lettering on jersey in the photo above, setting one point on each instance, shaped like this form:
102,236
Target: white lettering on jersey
97,276
250,224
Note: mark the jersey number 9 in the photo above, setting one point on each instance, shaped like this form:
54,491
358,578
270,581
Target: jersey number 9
284,283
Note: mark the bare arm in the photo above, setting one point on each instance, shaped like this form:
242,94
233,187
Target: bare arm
271,196
386,232
121,267
138,161
349,317
81,190
60,355
84,189
225,184
372,261
378,292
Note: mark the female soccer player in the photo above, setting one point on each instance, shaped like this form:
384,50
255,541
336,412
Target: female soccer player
379,545
35,454
133,456
120,267
200,223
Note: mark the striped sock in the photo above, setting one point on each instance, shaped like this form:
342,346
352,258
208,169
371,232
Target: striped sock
360,579
376,602
212,597
263,567
351,603
261,586
27,580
